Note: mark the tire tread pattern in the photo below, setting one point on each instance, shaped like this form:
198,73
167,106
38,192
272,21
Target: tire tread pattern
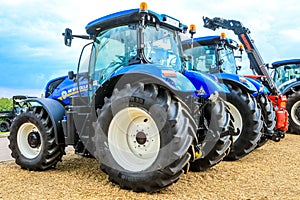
50,153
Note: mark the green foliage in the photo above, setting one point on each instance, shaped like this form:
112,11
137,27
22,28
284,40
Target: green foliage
6,104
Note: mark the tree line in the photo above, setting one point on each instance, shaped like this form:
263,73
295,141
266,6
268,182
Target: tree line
6,104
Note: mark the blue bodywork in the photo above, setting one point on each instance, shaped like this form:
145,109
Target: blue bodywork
206,84
67,88
259,87
173,79
126,17
238,80
255,87
285,62
63,88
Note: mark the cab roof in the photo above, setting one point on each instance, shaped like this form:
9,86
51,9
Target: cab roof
128,17
285,62
210,40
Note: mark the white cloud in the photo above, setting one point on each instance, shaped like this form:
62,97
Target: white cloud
291,34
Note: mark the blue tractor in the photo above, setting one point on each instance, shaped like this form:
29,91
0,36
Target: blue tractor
259,68
210,113
286,75
129,106
214,55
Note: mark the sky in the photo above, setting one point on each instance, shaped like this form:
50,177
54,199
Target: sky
32,50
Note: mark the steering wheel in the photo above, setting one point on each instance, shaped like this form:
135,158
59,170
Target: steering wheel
113,66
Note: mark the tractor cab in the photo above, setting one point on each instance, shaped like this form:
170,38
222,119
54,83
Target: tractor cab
215,55
286,72
212,54
130,41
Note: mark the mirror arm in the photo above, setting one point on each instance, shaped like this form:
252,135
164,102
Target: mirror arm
87,37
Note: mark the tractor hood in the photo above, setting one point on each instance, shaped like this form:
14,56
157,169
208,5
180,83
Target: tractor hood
206,84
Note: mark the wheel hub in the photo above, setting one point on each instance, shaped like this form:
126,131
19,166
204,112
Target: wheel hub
34,139
29,140
141,138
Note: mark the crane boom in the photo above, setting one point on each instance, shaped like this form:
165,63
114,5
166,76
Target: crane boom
256,62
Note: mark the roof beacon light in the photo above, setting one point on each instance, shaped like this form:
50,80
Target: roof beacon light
192,30
241,47
223,35
143,7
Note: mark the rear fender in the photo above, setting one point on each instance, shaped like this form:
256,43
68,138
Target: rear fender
238,81
153,74
295,86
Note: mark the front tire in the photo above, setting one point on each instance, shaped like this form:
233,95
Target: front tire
217,142
143,134
32,141
293,108
4,126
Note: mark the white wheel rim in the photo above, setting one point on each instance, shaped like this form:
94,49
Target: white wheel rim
293,113
133,139
22,140
238,120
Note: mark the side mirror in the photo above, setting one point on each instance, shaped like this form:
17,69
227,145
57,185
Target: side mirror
68,37
71,75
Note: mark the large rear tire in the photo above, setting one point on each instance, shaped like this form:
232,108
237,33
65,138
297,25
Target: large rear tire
142,137
4,126
247,121
216,138
32,141
293,108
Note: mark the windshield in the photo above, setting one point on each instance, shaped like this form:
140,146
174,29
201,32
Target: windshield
286,73
119,47
203,58
227,60
162,47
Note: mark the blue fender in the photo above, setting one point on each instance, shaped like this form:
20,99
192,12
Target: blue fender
206,84
156,74
261,89
56,112
290,88
237,80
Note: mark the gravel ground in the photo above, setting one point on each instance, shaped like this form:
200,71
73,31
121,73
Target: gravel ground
270,172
